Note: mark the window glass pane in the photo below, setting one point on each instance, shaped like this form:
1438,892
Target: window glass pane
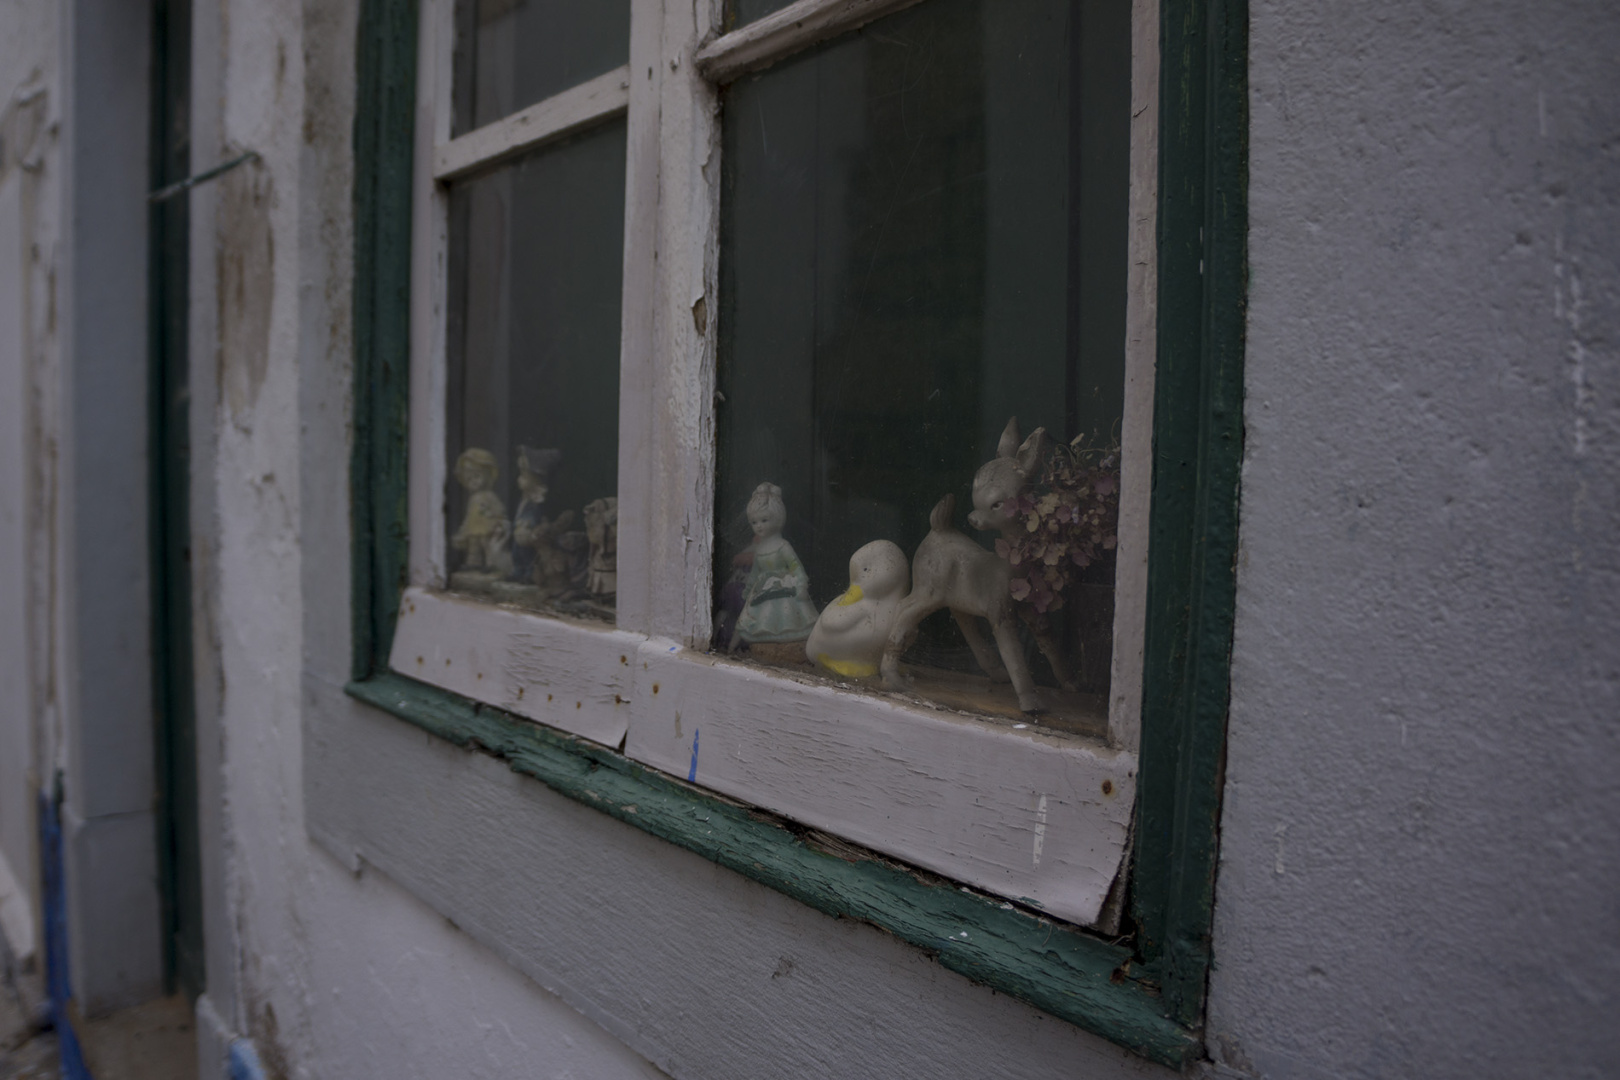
924,235
742,12
513,53
536,260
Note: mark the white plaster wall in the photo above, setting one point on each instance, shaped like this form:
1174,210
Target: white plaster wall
1420,849
333,974
28,221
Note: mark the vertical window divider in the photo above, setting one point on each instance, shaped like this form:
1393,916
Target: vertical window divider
429,281
666,425
1141,341
639,343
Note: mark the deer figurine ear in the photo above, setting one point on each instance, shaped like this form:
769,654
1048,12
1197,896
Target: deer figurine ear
1008,446
1029,454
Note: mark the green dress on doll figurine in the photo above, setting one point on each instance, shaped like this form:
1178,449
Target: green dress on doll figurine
776,599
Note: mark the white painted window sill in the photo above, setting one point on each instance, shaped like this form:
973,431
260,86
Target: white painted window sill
1023,813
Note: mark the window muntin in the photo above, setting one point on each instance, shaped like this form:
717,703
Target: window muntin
919,240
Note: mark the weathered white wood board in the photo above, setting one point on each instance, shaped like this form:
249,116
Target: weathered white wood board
643,475
1028,815
1020,813
1136,429
430,240
570,676
701,970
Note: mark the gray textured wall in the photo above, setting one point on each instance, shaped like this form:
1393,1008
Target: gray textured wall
108,818
1420,862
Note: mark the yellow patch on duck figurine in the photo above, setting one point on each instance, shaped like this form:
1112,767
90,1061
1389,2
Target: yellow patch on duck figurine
850,635
849,669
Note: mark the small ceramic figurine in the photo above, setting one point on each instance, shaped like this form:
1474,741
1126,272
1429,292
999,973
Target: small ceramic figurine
556,555
776,601
850,634
534,469
602,530
484,534
950,570
730,603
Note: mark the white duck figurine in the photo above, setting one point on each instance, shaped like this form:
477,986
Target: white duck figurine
852,631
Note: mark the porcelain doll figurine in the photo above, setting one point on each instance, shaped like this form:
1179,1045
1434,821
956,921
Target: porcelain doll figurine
602,530
776,600
484,535
534,468
852,631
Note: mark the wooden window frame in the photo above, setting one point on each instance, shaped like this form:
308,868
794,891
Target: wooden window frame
1145,991
1040,817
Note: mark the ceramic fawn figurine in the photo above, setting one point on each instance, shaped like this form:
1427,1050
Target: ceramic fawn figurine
950,570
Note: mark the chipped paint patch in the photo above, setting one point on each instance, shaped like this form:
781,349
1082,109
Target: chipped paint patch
1040,830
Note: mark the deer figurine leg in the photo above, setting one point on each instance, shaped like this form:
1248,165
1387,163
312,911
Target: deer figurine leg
1012,653
912,610
987,657
1053,651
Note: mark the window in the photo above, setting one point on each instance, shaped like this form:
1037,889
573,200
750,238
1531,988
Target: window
513,204
887,267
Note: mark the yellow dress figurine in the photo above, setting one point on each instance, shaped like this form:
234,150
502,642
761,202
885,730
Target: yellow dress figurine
484,538
851,633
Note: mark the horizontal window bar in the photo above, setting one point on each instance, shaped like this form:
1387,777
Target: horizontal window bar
783,33
601,98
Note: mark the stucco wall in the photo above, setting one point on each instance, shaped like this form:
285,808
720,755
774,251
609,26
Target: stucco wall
1420,851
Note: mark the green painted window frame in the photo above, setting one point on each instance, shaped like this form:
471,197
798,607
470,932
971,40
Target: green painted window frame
1144,991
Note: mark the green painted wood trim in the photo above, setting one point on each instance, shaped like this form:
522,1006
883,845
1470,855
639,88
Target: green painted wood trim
1198,448
384,138
1053,966
179,841
1157,1007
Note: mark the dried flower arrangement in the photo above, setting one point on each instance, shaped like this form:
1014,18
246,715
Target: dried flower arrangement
1071,519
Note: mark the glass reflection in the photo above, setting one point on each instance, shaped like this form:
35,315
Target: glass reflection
743,12
513,53
536,257
924,235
